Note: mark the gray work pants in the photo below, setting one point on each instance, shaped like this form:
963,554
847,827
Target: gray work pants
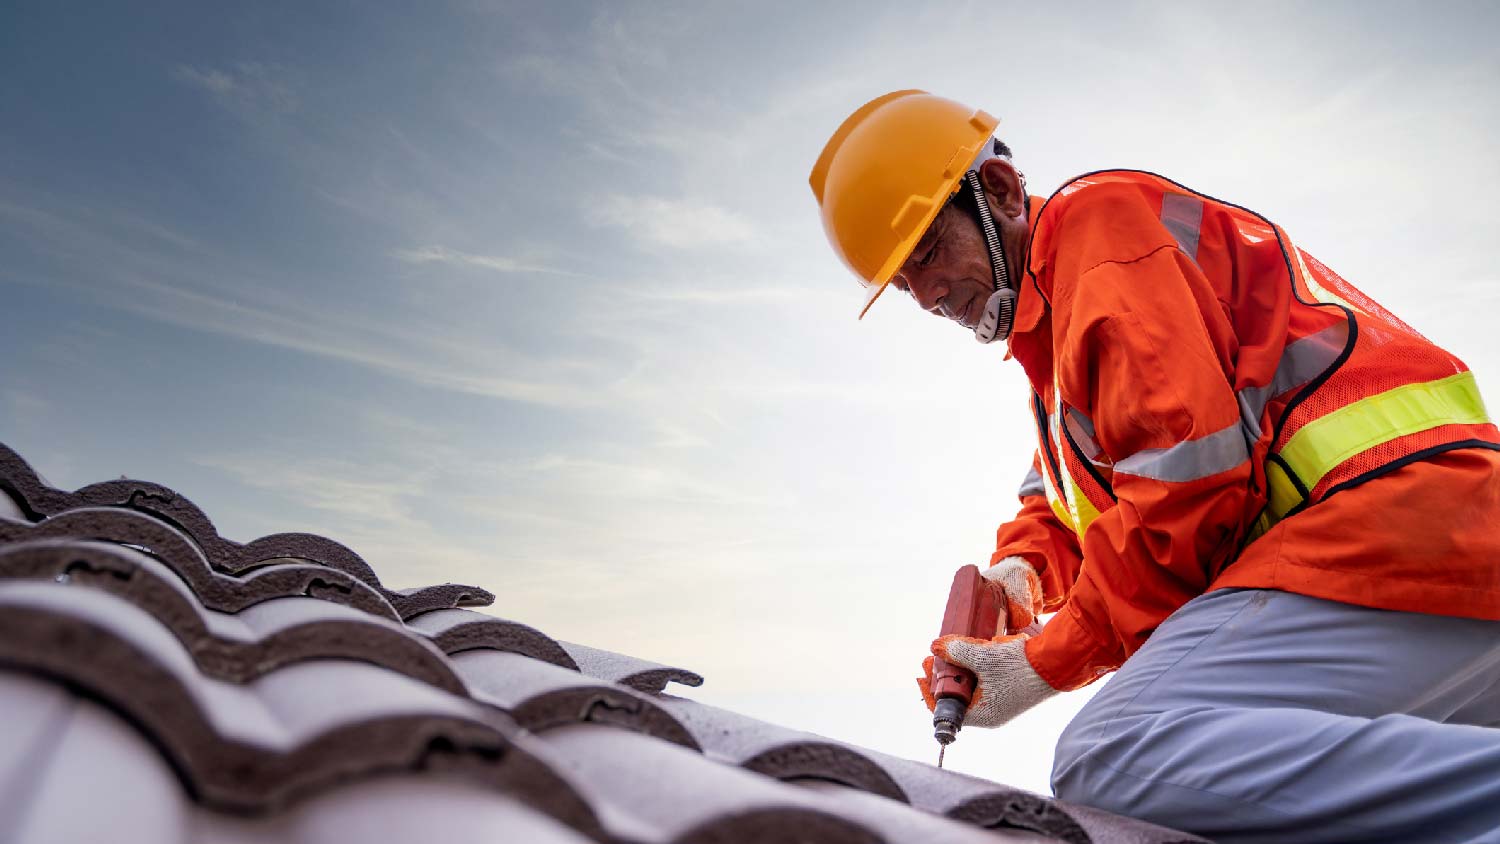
1255,715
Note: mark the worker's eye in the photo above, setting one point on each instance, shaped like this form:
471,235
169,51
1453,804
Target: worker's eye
930,253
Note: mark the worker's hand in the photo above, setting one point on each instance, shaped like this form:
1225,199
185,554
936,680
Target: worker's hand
1023,591
1008,685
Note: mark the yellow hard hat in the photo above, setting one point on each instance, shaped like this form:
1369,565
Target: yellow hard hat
887,172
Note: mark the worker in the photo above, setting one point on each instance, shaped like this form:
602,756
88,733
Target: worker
1263,501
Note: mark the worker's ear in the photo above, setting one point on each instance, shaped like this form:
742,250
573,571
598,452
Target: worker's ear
1003,187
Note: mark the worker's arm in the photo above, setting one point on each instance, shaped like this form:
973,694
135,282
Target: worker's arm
1144,349
1036,536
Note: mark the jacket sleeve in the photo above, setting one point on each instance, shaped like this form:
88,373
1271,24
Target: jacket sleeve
1144,348
1036,535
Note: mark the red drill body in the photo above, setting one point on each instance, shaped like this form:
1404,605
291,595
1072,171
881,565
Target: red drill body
976,608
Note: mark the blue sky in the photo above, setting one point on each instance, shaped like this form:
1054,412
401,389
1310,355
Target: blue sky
534,295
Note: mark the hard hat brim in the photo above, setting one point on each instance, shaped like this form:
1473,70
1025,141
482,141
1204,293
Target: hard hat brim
875,291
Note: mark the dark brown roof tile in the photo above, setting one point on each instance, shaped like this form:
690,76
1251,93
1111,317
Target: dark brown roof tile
898,823
541,696
455,630
292,732
637,673
88,775
651,791
233,647
780,752
214,589
39,500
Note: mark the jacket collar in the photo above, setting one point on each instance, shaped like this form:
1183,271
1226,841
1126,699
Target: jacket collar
1030,306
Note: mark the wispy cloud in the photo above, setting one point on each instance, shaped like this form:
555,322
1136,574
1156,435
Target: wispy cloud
747,293
246,85
214,81
354,491
415,358
675,223
204,292
453,257
641,482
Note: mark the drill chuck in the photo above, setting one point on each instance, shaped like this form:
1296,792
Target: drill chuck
947,719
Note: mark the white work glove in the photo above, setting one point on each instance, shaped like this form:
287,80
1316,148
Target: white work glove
1023,591
1008,685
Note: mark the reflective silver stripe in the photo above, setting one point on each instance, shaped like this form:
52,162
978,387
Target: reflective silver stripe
1183,217
1190,460
1033,484
1081,429
1301,362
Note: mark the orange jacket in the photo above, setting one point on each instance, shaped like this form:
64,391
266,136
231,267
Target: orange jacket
1216,408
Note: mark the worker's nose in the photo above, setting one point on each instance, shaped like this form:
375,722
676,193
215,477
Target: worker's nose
927,291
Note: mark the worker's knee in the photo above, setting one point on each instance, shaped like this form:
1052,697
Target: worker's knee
1078,771
1092,765
1139,764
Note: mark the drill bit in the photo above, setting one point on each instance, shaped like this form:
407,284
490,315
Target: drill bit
947,720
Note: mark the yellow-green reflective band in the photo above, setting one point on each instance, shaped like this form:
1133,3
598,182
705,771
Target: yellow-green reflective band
1085,509
1324,443
1281,493
1061,512
1262,524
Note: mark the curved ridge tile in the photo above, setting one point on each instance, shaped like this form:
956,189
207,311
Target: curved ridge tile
215,590
752,743
40,500
456,630
325,551
33,496
898,822
296,731
540,696
979,801
780,752
1108,828
235,648
441,596
404,808
639,674
91,754
686,798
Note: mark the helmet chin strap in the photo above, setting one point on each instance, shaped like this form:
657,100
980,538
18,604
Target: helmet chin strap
1000,309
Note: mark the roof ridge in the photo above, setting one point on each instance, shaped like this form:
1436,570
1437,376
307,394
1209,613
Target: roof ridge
215,589
39,499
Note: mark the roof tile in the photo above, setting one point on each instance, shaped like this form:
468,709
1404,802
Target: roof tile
540,696
214,589
39,499
641,674
456,630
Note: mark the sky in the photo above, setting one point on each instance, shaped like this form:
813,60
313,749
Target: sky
535,295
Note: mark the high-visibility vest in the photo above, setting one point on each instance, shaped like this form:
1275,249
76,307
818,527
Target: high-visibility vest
1355,394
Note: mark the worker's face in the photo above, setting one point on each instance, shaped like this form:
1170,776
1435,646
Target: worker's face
949,271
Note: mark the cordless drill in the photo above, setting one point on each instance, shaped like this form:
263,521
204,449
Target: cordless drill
976,608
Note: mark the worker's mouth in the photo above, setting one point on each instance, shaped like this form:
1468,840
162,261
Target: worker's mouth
965,314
